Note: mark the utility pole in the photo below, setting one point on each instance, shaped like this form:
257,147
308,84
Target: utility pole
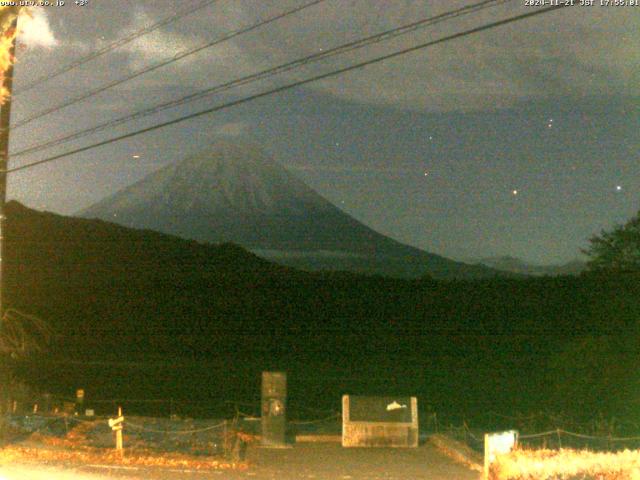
5,120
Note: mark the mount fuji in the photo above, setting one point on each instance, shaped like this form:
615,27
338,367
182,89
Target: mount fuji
234,192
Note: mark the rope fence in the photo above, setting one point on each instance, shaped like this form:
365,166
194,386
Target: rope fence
549,439
335,416
597,434
136,426
561,438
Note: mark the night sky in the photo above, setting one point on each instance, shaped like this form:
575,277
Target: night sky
522,140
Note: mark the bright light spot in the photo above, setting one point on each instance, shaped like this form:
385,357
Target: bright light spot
426,174
430,137
136,156
35,30
514,192
618,187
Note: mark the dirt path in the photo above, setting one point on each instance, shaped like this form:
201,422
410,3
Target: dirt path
330,461
303,461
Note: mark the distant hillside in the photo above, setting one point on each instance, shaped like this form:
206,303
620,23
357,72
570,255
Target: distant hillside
140,315
235,193
516,265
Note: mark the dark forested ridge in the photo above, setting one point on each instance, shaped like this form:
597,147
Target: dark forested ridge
200,320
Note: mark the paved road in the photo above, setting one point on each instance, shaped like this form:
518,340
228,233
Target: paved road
303,461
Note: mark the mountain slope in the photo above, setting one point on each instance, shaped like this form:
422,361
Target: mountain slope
516,265
235,193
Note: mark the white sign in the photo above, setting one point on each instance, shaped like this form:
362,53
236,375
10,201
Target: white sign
114,423
500,443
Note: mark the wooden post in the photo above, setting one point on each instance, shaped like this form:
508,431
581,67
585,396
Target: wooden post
485,471
79,401
225,438
119,434
345,420
466,437
116,425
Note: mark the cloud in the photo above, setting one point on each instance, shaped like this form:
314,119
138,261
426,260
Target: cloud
232,129
154,46
573,52
35,30
210,65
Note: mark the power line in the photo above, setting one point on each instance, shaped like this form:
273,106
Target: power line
112,46
268,73
289,86
379,37
175,58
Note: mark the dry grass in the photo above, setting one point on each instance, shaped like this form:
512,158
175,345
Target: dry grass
73,449
457,451
90,455
566,464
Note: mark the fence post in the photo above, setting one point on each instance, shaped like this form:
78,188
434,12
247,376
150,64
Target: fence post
225,435
559,439
485,471
119,434
79,401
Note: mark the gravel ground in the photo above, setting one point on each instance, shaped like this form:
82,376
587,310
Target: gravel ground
317,461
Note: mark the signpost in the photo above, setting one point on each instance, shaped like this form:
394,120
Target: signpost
116,425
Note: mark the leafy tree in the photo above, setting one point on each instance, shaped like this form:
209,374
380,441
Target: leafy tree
616,250
22,335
